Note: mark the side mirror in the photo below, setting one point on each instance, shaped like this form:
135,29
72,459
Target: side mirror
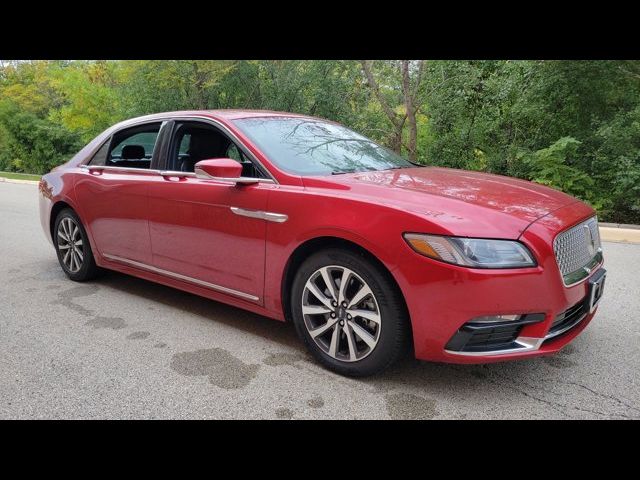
225,169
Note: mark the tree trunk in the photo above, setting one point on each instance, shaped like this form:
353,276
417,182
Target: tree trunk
409,95
396,120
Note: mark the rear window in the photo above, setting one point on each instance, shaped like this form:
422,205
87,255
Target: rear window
100,157
146,139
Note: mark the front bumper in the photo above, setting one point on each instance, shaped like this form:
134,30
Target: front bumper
442,298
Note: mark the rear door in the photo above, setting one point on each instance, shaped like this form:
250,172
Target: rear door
112,191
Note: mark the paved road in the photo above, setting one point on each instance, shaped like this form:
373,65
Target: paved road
121,347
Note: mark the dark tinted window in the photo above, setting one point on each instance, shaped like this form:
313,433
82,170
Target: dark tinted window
196,141
306,146
100,157
234,152
133,148
184,144
146,139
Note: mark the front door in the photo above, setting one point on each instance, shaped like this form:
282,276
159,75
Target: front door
200,228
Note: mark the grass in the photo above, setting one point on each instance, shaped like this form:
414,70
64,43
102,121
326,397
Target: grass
19,176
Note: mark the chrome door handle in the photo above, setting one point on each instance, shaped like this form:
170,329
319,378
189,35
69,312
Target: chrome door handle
171,173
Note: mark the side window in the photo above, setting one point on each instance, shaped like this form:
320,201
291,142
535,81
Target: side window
100,157
184,144
195,141
234,153
183,148
133,148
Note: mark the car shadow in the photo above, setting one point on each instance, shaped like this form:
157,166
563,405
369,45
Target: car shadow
406,372
238,318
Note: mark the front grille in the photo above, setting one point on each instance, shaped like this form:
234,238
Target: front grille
568,319
578,250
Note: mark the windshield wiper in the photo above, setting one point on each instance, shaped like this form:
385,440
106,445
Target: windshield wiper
340,172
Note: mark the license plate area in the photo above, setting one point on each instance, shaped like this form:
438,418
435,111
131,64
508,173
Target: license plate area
596,287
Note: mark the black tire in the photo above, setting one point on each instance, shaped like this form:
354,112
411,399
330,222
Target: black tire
394,327
88,268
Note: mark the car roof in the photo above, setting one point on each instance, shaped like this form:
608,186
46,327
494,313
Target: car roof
230,114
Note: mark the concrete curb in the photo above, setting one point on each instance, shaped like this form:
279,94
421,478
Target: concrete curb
619,234
15,180
619,225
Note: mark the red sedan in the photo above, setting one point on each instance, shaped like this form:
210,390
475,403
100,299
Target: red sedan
303,220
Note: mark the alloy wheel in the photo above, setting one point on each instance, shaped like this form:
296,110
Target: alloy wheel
70,244
341,313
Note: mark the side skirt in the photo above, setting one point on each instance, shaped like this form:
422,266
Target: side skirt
187,287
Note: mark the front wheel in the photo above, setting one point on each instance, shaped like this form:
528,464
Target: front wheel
349,313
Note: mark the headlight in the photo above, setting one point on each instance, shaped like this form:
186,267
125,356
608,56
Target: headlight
472,252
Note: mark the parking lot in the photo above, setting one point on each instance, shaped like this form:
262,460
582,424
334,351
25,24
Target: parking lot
120,347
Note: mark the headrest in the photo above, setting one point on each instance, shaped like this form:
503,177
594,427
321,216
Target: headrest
130,152
204,145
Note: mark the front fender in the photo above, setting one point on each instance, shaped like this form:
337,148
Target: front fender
312,214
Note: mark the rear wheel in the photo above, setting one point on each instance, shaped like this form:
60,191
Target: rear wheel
349,313
73,248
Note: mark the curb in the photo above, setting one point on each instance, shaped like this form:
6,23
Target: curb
619,234
15,180
619,225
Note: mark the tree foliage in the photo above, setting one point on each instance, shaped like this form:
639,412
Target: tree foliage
572,125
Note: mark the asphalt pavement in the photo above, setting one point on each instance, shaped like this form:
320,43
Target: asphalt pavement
121,347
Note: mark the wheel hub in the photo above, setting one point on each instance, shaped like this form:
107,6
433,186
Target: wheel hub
341,313
70,244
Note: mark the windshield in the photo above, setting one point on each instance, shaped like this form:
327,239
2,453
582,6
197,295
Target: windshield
304,146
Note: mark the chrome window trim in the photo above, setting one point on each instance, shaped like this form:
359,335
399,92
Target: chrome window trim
206,119
184,278
93,168
171,173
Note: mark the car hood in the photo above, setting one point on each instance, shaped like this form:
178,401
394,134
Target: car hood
461,202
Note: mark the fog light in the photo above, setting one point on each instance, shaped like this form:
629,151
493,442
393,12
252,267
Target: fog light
495,318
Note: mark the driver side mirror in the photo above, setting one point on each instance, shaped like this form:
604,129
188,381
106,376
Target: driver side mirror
225,169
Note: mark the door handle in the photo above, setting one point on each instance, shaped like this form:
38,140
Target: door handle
92,169
173,174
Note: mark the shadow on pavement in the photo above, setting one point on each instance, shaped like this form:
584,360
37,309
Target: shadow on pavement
408,371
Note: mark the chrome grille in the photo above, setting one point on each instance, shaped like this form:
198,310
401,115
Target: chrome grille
578,250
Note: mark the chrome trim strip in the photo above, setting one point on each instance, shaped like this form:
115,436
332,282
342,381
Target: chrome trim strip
175,173
580,276
143,120
566,328
529,344
179,276
270,216
172,173
141,171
